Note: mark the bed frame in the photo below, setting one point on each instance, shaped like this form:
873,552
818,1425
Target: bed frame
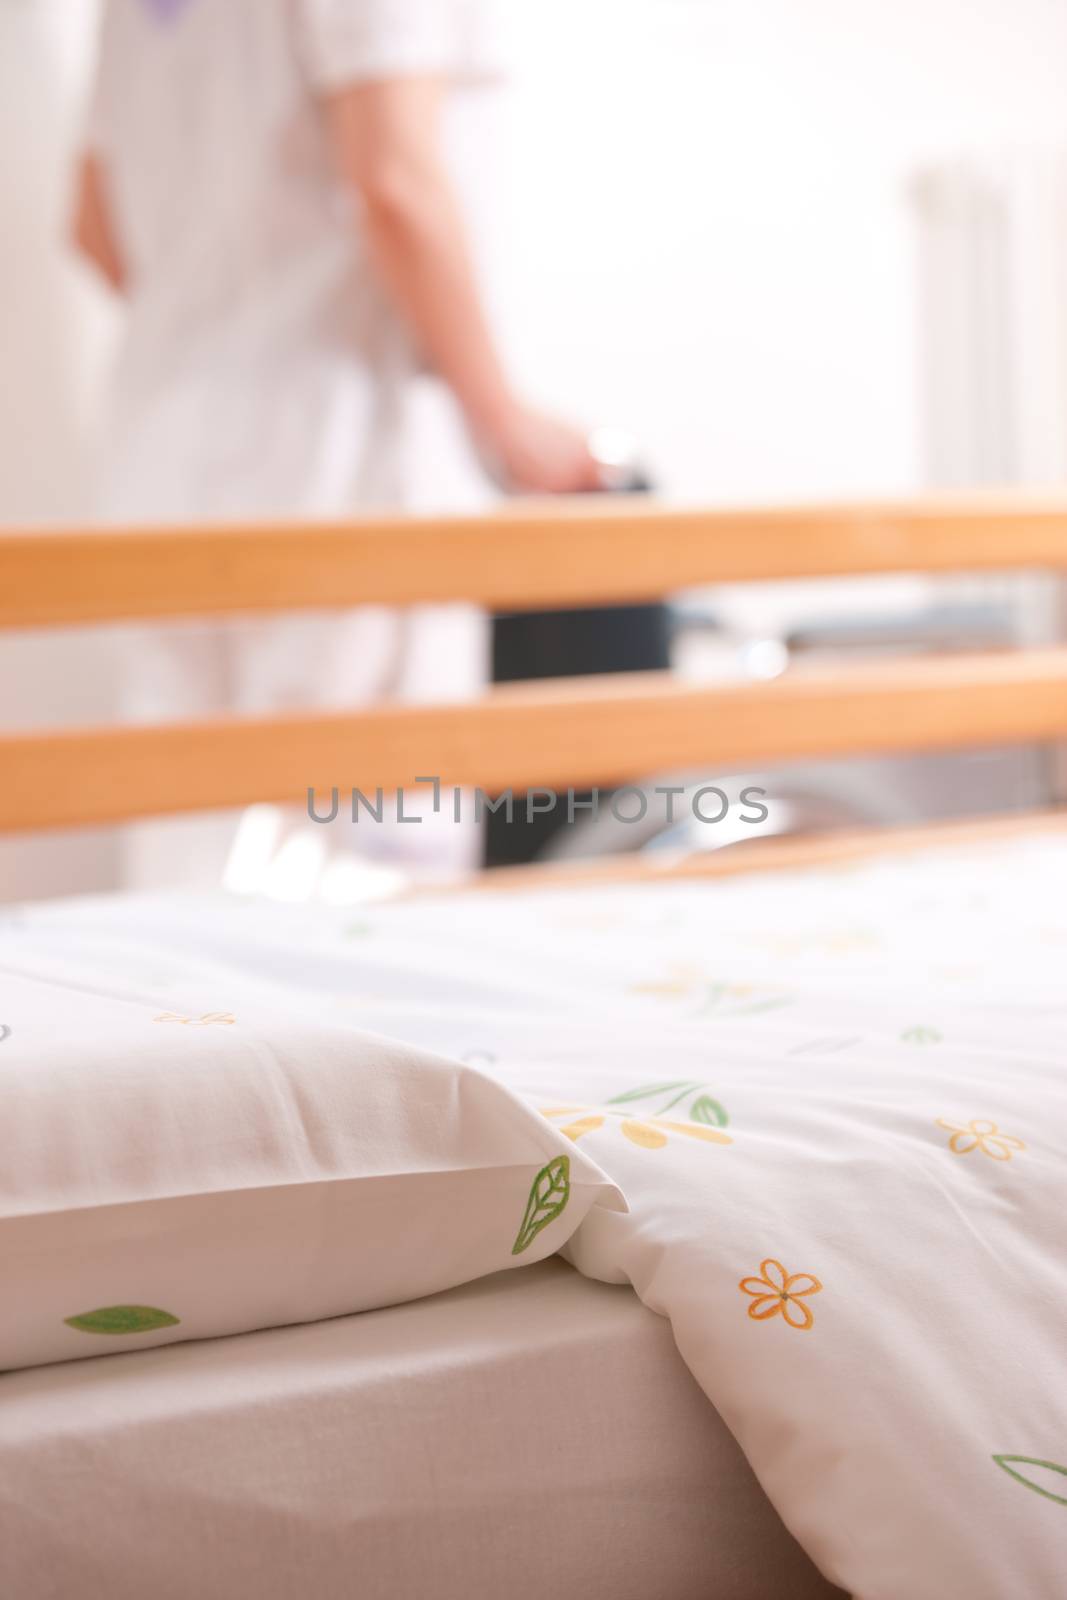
581,731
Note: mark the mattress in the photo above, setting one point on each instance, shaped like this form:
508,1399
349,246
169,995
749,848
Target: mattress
530,1434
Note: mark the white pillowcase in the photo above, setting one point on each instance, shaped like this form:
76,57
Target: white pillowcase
168,1177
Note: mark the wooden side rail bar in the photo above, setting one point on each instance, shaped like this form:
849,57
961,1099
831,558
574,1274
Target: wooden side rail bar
839,848
578,732
522,557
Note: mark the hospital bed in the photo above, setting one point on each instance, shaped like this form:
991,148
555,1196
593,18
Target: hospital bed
535,1431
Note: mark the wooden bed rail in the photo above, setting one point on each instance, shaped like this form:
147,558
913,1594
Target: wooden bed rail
582,732
578,732
523,557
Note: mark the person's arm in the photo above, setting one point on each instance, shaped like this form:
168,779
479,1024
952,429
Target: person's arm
387,143
92,229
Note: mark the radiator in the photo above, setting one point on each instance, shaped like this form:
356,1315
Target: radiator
992,341
992,290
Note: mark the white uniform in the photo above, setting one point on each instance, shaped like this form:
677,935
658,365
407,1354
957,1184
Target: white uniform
263,371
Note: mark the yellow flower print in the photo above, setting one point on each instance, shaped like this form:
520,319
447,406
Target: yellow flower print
956,974
685,982
981,1135
776,1292
682,978
222,1017
651,1133
688,980
834,941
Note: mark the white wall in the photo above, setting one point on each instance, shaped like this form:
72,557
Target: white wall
712,217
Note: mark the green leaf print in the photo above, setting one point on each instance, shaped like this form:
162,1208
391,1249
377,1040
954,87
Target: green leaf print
549,1195
705,1109
1020,1477
122,1319
648,1090
921,1036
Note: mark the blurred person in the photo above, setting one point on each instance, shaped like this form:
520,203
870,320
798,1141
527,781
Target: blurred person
282,192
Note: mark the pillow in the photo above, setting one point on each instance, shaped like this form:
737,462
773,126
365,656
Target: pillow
167,1176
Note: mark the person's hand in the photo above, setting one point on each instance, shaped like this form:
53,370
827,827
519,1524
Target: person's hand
536,454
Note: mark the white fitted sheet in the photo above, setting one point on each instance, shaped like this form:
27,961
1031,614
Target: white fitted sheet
531,1434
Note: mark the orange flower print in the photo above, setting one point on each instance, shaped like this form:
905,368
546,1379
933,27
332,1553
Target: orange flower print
981,1135
776,1292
